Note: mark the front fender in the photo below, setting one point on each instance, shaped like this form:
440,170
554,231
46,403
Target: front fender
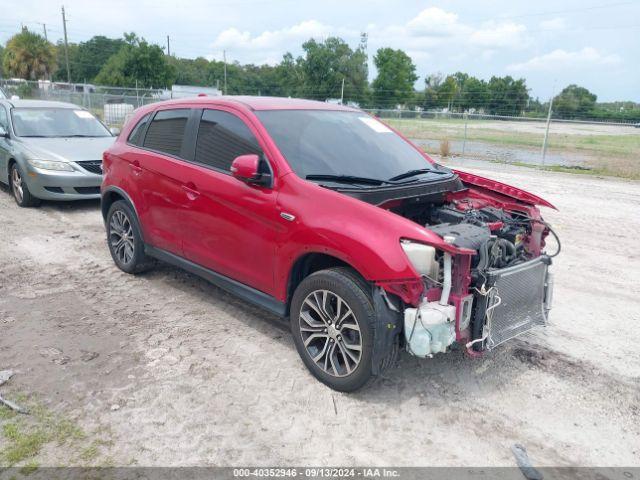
364,236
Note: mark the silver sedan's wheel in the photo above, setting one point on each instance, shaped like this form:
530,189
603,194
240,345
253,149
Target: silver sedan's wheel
330,333
16,183
121,237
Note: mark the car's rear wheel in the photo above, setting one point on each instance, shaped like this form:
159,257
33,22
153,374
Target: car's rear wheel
124,239
332,317
19,188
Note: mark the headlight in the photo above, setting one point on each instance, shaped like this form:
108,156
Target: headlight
50,165
422,257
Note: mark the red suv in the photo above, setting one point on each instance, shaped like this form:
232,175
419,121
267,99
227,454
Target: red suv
324,215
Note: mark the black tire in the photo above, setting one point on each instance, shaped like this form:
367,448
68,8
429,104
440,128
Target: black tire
23,197
352,290
128,253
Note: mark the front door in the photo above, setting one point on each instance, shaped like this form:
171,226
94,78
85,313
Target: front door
4,146
230,226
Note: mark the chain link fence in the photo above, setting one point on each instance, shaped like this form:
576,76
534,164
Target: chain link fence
111,104
598,147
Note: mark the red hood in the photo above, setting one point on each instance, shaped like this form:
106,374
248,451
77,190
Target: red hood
503,189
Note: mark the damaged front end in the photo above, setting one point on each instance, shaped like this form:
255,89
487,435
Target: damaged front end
487,282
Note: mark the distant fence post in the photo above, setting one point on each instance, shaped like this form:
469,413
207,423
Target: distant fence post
464,141
546,132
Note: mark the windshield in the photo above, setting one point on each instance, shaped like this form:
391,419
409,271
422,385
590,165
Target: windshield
326,142
56,122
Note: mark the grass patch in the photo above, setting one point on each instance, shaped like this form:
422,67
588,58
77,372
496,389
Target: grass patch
602,154
597,145
22,443
24,437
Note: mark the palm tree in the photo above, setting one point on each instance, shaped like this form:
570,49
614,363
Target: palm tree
29,56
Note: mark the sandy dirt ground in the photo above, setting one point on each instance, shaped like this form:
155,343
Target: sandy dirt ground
180,373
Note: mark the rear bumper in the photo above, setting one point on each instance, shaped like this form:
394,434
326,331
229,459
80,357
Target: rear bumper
55,185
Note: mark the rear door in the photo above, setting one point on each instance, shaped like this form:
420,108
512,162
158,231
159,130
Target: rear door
158,169
230,226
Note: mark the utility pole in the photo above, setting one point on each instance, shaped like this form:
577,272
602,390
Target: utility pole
224,57
44,29
342,93
546,132
66,45
168,47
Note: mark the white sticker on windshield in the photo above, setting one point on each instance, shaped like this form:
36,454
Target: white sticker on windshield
375,125
83,114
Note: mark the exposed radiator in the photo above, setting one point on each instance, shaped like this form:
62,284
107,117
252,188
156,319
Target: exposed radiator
519,298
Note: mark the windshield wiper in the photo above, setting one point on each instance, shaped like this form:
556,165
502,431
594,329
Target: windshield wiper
413,173
78,135
347,179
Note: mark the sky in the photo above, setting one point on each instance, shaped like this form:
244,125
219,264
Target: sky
550,43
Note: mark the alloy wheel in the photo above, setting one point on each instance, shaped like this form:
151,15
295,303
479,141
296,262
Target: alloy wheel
121,236
330,333
16,183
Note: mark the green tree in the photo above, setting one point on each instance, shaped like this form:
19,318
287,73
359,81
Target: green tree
29,56
191,71
507,96
431,86
326,64
396,76
574,101
1,59
448,91
474,95
290,76
92,55
60,74
137,61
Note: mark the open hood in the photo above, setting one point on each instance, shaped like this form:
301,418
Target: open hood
503,189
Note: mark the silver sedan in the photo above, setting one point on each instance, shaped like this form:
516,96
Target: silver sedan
51,151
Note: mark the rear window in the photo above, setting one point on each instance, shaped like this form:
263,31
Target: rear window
221,138
135,137
166,131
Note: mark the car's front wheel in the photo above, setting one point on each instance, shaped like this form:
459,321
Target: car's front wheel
332,318
19,188
124,239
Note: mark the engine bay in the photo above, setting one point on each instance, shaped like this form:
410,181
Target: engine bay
499,237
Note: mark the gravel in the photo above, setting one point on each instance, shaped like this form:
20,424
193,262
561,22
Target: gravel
199,378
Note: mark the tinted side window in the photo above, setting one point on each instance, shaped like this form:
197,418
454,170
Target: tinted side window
166,131
135,137
221,138
4,120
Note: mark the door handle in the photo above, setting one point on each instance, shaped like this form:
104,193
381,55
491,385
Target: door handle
191,191
135,166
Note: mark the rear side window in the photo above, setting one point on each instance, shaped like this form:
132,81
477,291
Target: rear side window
166,131
135,137
221,138
4,119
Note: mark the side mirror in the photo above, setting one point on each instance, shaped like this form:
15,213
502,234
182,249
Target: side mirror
246,168
3,132
115,131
